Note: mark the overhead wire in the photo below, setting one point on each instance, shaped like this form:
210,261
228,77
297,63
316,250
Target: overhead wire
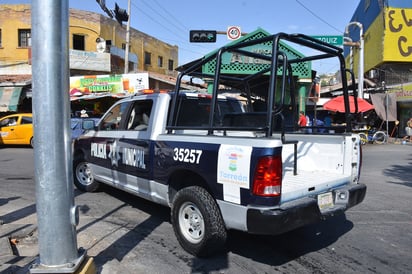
317,16
166,18
327,23
180,38
171,15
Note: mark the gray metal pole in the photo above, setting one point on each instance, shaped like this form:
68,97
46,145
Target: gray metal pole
361,60
386,108
56,214
361,57
126,53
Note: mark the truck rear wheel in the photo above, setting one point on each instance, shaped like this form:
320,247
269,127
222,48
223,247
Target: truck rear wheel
197,222
83,177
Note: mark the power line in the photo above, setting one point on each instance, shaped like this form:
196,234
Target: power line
154,20
166,18
166,23
177,34
314,14
171,16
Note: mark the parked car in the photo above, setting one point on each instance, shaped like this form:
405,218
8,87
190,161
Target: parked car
76,124
16,129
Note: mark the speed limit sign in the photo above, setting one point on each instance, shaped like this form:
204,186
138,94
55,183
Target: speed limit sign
233,33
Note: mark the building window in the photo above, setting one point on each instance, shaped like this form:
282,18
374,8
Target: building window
24,38
124,46
160,61
170,65
0,39
78,42
147,58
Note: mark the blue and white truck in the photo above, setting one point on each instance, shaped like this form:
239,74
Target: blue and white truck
231,157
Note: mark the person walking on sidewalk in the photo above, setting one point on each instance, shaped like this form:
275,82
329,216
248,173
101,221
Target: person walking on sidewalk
408,130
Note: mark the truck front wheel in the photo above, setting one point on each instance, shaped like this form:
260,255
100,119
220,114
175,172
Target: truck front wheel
197,222
83,177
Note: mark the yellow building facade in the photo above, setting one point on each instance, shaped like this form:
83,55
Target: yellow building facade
86,31
387,35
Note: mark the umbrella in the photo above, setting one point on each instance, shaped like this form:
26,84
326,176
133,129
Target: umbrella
337,104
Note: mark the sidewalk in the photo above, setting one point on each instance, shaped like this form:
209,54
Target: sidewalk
19,249
13,259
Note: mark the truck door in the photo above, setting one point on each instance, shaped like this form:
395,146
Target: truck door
134,146
104,155
120,147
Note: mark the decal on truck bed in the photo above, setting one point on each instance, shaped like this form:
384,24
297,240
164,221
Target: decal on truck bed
233,170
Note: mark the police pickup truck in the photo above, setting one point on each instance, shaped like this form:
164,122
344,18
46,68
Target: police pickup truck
231,157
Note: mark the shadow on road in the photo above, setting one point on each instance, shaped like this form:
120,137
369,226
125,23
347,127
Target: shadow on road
401,174
122,246
278,250
19,214
4,201
270,250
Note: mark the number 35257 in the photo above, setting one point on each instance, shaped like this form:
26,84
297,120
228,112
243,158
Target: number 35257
187,155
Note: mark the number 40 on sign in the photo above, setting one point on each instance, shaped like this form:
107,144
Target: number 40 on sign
233,33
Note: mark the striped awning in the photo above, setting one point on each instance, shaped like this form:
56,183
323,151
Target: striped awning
9,98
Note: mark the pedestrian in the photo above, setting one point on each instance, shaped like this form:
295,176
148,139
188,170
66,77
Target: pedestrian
302,119
83,113
408,130
327,121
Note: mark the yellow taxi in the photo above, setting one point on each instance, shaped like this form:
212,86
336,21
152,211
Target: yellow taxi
16,129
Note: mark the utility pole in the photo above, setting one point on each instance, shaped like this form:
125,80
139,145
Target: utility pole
126,52
351,44
57,216
361,61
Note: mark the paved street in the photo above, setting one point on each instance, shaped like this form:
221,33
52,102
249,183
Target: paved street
125,234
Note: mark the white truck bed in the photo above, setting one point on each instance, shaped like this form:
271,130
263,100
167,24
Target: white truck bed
323,162
307,183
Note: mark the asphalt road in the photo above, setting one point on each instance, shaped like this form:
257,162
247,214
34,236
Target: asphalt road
125,234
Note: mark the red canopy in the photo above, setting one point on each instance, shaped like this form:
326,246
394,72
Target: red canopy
337,104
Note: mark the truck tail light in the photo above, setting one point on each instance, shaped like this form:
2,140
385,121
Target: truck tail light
268,176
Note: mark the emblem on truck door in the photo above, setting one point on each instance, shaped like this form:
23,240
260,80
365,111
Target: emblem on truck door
114,154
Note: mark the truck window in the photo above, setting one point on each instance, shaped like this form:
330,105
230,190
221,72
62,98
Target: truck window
196,111
139,116
112,119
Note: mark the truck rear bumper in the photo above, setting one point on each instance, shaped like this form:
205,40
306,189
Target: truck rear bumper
301,212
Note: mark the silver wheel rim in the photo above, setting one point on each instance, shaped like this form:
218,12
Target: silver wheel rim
380,138
84,174
191,222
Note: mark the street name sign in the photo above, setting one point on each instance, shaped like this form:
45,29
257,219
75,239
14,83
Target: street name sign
336,40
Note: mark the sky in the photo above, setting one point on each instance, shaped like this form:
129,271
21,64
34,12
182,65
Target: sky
171,21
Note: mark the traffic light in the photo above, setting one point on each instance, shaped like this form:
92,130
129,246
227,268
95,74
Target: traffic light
120,14
203,36
102,4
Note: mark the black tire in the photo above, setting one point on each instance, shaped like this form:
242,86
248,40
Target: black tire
83,178
197,222
31,142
